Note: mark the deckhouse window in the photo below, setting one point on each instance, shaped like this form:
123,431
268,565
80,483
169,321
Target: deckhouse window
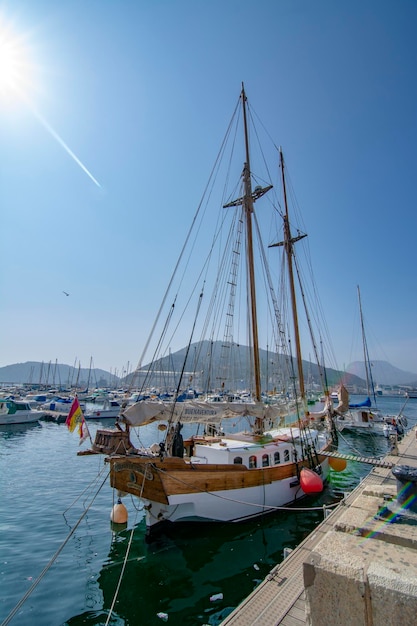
252,462
277,458
265,460
286,456
237,460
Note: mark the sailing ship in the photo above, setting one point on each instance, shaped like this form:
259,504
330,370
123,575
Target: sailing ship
248,454
365,416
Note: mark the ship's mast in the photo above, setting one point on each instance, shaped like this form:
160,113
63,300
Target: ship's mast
247,201
369,380
288,246
248,211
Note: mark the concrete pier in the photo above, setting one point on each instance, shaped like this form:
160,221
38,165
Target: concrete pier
54,416
358,567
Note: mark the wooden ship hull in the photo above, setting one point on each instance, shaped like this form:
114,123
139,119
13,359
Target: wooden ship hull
194,488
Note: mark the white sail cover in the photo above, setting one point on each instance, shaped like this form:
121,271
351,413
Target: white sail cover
148,411
343,396
342,407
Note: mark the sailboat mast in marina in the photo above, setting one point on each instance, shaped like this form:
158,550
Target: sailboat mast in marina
224,456
365,416
368,372
248,209
288,246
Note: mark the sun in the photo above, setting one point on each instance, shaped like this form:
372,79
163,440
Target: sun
10,66
16,67
18,74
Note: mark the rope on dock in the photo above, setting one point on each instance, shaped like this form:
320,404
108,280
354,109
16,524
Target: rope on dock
53,559
116,593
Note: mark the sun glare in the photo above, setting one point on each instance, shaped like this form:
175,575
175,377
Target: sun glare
16,69
17,82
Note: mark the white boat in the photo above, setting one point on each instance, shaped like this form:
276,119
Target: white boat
18,412
109,408
60,404
37,399
395,426
211,474
366,420
365,416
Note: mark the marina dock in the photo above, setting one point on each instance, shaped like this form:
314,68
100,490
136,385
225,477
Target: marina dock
357,567
54,416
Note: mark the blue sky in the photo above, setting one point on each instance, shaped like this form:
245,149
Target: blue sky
141,92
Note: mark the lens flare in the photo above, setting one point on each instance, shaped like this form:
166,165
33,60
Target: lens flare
17,74
405,500
62,143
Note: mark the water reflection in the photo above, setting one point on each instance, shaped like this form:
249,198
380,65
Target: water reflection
176,574
183,567
8,431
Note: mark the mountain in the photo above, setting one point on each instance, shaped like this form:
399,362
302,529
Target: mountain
203,368
60,375
383,373
205,365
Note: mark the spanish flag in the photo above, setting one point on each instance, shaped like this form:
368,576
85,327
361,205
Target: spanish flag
76,418
75,415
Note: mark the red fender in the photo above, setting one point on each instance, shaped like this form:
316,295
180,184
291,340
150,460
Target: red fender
310,481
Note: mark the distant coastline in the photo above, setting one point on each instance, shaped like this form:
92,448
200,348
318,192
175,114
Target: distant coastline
389,380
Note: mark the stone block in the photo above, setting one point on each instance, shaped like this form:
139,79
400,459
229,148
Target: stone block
334,582
352,519
354,580
393,591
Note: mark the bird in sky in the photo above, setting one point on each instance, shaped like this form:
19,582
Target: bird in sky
67,294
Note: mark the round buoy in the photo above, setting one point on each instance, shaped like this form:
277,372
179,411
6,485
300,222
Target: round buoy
338,465
118,513
310,481
118,528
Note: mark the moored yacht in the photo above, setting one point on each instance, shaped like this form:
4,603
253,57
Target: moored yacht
18,412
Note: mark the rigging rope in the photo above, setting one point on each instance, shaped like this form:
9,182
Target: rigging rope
53,559
182,253
88,487
353,447
129,545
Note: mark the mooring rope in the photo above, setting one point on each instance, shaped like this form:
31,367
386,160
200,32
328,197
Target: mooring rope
84,491
274,508
53,559
355,450
119,582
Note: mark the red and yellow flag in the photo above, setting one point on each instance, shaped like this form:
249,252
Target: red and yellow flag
75,415
76,418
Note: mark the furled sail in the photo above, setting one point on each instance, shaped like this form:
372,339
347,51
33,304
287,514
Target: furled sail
343,396
327,409
146,412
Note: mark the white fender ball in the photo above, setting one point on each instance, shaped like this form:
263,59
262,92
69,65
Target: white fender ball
118,513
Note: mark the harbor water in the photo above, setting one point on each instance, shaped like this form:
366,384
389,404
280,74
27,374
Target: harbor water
62,562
